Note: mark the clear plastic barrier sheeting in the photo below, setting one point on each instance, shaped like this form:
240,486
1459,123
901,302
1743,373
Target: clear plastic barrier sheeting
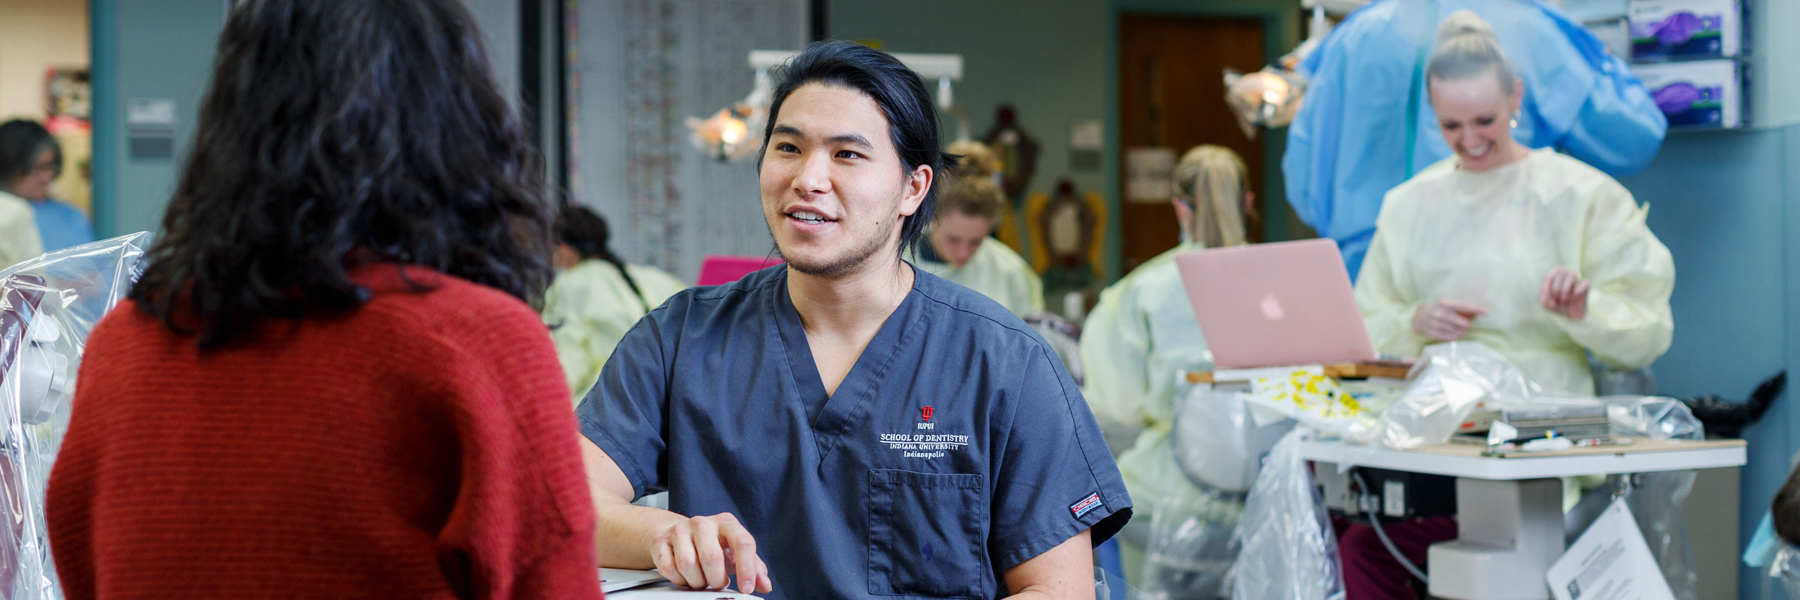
1656,499
1218,441
1191,550
1449,382
1289,551
1217,447
1785,570
48,305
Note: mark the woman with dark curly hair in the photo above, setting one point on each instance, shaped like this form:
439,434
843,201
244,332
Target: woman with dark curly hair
330,381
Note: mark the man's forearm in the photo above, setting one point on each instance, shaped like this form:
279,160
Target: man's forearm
625,531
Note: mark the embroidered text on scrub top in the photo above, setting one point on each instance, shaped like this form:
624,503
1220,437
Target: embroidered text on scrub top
923,445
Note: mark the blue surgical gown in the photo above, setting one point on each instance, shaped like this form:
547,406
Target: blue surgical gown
1348,144
956,448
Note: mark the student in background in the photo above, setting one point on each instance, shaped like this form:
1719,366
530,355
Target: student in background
596,297
26,147
27,166
1143,330
959,247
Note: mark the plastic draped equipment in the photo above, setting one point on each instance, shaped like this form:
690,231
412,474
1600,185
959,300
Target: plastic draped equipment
1288,550
48,305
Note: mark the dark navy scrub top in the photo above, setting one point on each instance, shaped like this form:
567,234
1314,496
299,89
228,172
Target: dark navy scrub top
956,448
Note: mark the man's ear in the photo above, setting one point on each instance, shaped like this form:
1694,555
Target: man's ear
918,183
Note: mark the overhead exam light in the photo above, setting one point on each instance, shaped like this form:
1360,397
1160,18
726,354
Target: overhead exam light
736,132
1271,97
1266,98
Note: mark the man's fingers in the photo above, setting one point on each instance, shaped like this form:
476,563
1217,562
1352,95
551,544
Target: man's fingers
686,561
763,583
665,561
743,552
709,553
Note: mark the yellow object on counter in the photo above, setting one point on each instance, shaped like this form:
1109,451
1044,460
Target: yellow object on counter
1309,391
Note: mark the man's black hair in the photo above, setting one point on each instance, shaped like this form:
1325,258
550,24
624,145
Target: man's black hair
912,119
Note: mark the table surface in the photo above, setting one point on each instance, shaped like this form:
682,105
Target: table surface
1465,460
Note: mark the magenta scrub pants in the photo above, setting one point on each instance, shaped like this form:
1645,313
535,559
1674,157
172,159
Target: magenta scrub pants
1370,571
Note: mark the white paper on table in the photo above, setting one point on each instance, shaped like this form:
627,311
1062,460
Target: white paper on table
1609,562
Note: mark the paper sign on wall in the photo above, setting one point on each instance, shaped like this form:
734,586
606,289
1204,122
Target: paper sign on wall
1609,562
1149,175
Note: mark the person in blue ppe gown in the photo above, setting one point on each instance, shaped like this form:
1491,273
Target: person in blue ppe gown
1366,126
847,426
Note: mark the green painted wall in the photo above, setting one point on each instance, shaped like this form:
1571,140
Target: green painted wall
1048,58
160,50
164,50
1055,60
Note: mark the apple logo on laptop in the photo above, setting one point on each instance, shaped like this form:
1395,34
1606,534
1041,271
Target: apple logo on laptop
1271,307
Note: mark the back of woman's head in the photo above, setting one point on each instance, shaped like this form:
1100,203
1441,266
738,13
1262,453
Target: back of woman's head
337,131
1466,47
1213,181
21,143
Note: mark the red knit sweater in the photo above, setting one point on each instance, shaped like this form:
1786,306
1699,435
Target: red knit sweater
420,446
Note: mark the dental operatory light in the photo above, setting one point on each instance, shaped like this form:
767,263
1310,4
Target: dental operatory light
1271,97
735,132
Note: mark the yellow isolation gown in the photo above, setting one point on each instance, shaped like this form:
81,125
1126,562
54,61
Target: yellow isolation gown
998,273
1490,237
590,308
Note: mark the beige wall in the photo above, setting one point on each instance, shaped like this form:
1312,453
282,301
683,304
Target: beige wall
35,34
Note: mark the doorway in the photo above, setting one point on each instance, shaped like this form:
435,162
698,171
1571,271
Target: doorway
1172,95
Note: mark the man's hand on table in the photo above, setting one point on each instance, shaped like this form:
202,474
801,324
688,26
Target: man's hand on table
703,552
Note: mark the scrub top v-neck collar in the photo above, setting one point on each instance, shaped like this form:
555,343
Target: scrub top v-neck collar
832,415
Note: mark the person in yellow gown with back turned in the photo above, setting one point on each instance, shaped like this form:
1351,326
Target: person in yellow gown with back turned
596,297
1143,332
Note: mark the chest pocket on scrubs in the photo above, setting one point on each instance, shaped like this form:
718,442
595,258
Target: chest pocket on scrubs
925,533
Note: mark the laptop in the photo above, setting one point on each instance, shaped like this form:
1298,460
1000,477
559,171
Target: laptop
618,580
1275,305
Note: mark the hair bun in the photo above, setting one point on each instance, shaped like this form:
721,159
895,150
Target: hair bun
1465,22
975,159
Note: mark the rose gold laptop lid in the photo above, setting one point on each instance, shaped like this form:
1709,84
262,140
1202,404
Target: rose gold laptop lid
1272,305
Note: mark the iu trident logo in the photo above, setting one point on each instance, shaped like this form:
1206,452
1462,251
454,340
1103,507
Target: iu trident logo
925,414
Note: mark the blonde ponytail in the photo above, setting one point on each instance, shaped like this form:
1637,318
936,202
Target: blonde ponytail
1466,47
1214,179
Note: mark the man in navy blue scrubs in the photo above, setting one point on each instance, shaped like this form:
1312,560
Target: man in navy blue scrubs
845,426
